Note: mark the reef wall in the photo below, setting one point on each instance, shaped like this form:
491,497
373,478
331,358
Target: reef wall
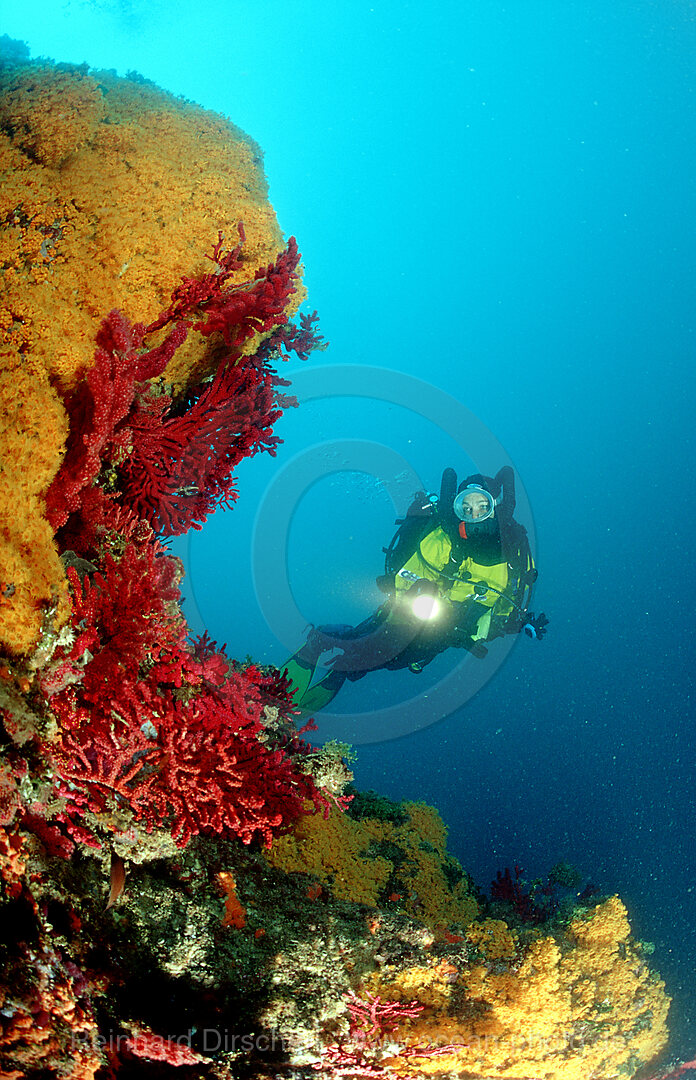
112,191
187,883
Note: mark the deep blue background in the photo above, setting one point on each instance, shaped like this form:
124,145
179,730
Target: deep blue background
497,197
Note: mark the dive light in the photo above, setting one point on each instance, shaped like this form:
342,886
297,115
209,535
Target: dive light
425,607
422,597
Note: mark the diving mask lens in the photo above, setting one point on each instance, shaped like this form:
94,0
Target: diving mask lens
474,504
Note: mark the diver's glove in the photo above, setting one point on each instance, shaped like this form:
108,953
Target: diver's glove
385,584
535,626
466,615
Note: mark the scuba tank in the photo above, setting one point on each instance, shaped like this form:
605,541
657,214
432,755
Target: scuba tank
421,518
427,511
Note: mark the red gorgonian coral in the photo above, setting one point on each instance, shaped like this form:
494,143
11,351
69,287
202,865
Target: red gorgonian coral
150,723
166,728
369,1049
174,461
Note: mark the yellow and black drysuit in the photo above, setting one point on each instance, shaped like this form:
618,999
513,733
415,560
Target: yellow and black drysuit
480,578
473,590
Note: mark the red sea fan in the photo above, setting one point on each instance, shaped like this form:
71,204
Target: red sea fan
196,293
512,892
302,339
126,608
216,775
369,1048
200,766
162,726
117,418
256,308
148,722
100,406
235,311
101,752
180,468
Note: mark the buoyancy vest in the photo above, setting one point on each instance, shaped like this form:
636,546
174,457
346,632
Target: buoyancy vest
432,560
427,545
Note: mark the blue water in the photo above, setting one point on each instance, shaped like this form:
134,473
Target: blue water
496,198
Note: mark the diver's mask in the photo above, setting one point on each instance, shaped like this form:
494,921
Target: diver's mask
474,506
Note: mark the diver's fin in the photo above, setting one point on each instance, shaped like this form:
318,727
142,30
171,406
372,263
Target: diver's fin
323,692
299,673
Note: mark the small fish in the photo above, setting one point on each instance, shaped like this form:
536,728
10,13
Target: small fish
118,879
7,589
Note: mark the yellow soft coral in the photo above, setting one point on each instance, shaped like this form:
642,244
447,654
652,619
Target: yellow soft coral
426,822
51,112
112,190
333,850
357,859
493,938
432,883
33,429
576,1004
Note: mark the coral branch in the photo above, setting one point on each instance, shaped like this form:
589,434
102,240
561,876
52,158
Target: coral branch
180,468
512,892
176,468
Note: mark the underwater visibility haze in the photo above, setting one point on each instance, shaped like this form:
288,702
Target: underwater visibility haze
495,207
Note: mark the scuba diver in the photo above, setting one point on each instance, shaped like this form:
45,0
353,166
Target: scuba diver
458,573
